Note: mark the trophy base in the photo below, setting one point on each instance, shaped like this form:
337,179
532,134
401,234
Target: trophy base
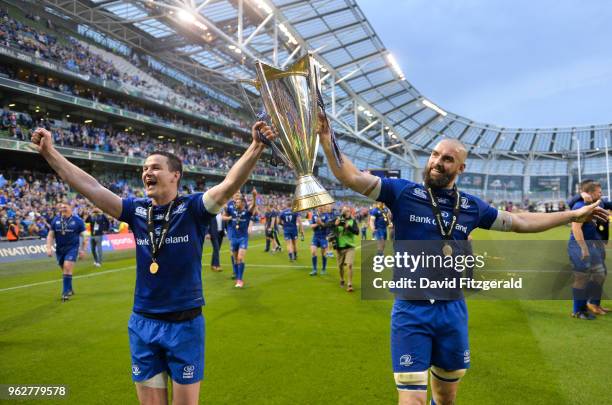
309,194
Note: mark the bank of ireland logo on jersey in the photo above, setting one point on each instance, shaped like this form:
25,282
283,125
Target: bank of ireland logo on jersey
466,356
188,371
406,360
135,369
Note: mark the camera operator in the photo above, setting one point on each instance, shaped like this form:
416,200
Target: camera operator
346,230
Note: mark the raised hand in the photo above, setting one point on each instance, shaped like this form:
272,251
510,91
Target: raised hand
590,212
42,139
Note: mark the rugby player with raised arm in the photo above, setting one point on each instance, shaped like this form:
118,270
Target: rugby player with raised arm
431,336
166,328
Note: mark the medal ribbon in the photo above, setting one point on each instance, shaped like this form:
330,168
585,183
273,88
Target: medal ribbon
156,247
446,233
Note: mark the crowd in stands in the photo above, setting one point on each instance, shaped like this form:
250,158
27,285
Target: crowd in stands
77,57
75,89
29,198
86,136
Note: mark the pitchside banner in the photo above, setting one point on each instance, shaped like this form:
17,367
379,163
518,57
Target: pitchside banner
498,270
37,249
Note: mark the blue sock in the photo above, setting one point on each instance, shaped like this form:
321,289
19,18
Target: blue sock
324,266
596,291
593,292
579,299
67,283
314,263
432,402
235,269
240,271
290,256
267,245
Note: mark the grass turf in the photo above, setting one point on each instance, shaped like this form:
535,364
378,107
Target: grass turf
288,338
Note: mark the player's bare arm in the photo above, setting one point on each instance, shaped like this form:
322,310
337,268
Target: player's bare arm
529,222
83,248
253,208
50,239
579,236
347,173
240,172
76,177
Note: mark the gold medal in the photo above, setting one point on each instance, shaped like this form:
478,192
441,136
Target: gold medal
447,250
153,267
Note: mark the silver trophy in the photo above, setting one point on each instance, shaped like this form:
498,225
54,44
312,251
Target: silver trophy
292,101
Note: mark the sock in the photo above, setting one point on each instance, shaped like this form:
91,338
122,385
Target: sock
294,255
595,295
432,402
379,253
290,256
67,283
579,299
240,271
267,245
235,269
314,264
324,264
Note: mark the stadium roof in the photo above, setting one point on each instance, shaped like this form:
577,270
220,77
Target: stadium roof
217,41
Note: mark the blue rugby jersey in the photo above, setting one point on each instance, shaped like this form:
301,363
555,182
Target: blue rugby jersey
589,229
413,220
269,216
240,218
379,217
289,220
320,232
73,226
177,286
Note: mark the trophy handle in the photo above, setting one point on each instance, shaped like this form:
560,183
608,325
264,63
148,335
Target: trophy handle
263,116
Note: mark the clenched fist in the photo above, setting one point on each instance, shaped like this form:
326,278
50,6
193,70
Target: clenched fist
265,130
43,140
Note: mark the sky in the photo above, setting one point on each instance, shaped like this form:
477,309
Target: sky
511,63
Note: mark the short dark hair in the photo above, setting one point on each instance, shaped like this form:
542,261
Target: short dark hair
585,183
592,186
174,162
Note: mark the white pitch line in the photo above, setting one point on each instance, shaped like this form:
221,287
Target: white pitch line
131,267
58,280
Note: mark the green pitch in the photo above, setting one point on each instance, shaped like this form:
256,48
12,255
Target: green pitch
288,338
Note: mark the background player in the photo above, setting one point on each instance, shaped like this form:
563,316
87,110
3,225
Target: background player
587,254
593,289
239,220
166,329
319,239
66,230
433,333
291,223
269,226
98,225
380,218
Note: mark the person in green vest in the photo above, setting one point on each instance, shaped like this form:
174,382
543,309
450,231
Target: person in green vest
346,231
